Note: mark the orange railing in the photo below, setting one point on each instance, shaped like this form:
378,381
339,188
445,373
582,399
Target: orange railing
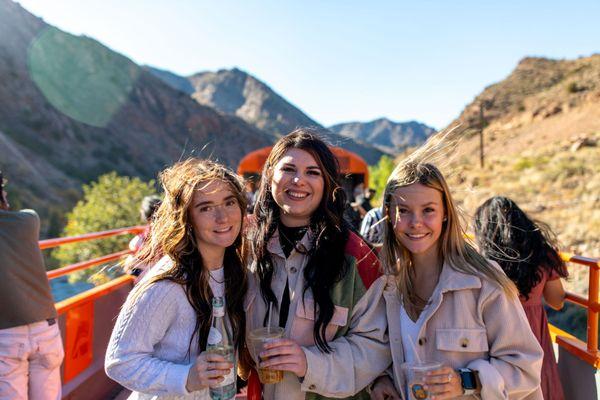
586,351
76,314
49,243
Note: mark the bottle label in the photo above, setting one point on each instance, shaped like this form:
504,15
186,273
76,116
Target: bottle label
214,336
218,311
229,378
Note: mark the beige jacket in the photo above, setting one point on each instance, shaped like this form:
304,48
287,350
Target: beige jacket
356,333
472,323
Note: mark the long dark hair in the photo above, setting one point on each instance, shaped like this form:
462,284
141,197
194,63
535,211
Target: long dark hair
172,234
524,248
329,233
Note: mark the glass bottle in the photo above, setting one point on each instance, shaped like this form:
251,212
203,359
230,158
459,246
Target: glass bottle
220,341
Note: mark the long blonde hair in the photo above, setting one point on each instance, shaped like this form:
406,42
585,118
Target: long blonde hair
453,247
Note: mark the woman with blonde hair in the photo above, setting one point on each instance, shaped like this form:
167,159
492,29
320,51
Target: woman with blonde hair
446,303
157,348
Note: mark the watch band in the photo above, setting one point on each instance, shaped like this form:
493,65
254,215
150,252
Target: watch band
475,384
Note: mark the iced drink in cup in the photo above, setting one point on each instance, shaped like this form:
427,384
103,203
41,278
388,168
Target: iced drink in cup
258,338
415,378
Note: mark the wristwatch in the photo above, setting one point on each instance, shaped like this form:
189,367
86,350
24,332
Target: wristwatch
469,381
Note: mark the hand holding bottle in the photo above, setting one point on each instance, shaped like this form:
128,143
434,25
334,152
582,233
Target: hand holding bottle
208,371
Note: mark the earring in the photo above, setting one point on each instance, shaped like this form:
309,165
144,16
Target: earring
445,219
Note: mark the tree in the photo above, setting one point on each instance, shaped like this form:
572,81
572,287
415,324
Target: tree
380,173
111,202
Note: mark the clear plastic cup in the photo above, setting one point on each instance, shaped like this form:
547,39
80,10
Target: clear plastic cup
414,373
258,338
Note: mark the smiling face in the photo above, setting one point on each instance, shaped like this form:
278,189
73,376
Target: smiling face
417,215
216,218
297,187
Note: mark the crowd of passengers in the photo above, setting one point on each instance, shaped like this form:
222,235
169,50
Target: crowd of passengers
360,313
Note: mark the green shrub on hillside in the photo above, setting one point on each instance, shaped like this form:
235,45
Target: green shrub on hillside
574,87
524,163
111,202
379,175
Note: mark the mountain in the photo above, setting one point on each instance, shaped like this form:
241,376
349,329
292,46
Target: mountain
71,109
175,81
541,148
538,88
390,136
235,92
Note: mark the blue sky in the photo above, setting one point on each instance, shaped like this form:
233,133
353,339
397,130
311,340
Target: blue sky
342,61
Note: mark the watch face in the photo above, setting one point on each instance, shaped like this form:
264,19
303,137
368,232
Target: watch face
468,380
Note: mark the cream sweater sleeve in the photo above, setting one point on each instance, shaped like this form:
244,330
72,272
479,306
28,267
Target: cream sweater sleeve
140,328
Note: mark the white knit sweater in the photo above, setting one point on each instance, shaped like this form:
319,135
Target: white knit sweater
148,348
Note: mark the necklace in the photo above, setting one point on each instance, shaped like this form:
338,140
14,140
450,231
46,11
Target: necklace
288,244
215,279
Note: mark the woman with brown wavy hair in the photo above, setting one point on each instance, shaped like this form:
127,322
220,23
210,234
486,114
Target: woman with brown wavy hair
157,345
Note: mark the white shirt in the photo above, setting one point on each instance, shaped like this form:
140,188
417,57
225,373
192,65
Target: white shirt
409,331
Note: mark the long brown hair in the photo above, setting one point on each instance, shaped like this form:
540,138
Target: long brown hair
172,235
329,232
453,247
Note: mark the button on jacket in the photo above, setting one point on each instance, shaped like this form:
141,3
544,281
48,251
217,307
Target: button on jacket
356,333
471,322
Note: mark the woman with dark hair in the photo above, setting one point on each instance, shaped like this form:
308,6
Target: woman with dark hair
527,252
157,348
319,279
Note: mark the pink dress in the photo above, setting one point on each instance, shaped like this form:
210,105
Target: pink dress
551,386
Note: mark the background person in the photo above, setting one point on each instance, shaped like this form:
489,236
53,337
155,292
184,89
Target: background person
31,349
158,342
371,227
132,264
527,252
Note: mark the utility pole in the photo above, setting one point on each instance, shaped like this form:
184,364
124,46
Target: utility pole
481,126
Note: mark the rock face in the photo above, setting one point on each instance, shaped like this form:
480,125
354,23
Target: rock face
536,89
235,92
387,135
71,109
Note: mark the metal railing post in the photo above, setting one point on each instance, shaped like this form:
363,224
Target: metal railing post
592,314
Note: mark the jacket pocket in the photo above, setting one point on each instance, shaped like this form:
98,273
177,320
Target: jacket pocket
304,322
463,340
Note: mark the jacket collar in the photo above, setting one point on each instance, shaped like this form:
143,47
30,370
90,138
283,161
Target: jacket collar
450,280
274,246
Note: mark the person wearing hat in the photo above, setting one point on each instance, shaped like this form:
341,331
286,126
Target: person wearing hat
31,349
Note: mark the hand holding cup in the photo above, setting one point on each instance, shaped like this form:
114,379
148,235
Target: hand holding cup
284,355
443,383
